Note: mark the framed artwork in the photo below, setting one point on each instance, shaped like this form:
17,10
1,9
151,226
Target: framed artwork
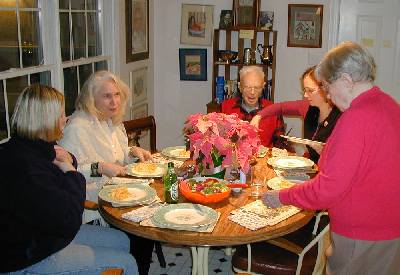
266,20
137,29
193,64
226,19
246,13
197,24
305,25
139,111
138,81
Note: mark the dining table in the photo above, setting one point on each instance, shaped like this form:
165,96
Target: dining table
225,233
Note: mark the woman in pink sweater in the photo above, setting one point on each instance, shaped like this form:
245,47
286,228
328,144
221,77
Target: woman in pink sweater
358,181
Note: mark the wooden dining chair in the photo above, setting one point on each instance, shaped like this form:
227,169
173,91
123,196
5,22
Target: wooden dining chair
136,127
299,252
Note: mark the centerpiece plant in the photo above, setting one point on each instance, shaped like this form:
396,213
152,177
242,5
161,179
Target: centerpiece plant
218,139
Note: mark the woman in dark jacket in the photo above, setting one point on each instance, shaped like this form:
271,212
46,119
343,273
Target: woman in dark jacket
43,197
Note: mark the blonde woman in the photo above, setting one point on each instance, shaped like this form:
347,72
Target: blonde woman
96,136
41,229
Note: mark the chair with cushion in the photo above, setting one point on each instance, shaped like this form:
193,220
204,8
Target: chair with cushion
299,252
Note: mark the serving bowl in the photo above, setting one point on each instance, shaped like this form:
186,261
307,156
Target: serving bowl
198,196
227,56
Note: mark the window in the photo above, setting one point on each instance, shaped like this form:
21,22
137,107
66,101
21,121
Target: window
30,54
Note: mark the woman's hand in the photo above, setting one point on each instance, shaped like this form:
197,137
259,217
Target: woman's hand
110,169
317,147
62,154
255,121
141,153
271,199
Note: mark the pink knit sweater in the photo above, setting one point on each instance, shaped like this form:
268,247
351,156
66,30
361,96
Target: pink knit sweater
359,179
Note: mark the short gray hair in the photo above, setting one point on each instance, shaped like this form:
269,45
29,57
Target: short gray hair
37,113
350,58
251,69
92,86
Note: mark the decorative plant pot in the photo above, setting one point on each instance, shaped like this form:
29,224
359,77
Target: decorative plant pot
216,172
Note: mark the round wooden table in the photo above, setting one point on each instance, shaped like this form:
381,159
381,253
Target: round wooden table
225,233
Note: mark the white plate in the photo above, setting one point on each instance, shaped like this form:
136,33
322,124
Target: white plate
177,152
132,169
290,162
277,183
303,140
139,194
184,215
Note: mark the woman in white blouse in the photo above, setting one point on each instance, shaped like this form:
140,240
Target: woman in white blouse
95,133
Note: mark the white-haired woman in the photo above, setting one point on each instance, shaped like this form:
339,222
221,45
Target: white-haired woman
96,136
41,229
357,181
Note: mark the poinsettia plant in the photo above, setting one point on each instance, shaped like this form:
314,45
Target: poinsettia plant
216,136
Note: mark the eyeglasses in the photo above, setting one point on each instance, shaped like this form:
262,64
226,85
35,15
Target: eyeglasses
307,90
249,89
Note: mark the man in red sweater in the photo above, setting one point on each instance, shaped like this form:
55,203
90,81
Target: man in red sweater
358,181
250,103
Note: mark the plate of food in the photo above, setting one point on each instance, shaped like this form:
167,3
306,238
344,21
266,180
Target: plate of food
303,140
177,152
278,183
145,170
204,190
184,216
290,162
128,194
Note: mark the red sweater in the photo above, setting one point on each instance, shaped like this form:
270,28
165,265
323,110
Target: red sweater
270,128
358,180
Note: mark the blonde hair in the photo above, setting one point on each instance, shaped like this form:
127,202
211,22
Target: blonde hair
251,69
350,58
91,88
37,113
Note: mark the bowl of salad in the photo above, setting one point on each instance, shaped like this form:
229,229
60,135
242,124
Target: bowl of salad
204,190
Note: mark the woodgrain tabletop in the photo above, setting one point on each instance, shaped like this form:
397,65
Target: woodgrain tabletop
225,233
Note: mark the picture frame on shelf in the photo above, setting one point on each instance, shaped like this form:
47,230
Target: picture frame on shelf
266,20
246,13
138,85
305,25
197,24
193,64
137,30
226,19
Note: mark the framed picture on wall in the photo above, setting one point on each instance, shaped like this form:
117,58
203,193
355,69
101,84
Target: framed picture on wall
139,111
193,64
196,24
137,29
246,13
305,25
138,83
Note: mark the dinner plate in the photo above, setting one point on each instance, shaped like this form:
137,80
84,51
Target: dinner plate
277,183
184,216
290,162
177,152
139,194
139,170
303,140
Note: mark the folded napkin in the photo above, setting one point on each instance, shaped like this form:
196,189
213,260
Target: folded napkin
119,180
158,158
142,213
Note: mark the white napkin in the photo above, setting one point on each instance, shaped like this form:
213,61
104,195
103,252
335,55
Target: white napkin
142,213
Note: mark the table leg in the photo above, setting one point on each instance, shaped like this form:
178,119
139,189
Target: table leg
199,260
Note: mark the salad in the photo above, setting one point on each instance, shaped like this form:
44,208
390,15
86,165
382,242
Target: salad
207,187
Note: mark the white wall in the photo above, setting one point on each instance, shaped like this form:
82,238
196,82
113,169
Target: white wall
174,100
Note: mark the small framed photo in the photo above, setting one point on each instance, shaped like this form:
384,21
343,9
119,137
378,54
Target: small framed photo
305,25
138,81
193,64
246,13
226,19
139,111
137,29
197,24
266,20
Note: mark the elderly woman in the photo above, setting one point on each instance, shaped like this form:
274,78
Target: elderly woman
357,182
317,110
96,136
250,104
41,229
